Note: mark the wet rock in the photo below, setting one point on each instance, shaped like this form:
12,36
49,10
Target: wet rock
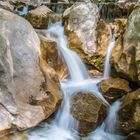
127,62
114,88
95,73
129,113
22,82
51,54
88,111
42,16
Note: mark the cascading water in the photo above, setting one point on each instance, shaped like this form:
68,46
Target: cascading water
79,80
107,66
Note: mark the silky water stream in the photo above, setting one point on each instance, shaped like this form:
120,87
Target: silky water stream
64,126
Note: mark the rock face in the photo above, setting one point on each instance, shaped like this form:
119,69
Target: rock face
42,16
129,113
88,111
127,62
114,88
22,84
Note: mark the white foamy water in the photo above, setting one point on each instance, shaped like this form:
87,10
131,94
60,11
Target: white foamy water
63,127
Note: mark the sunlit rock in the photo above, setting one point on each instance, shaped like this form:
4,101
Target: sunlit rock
25,90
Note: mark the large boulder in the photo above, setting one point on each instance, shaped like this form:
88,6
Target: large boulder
127,62
129,113
23,86
88,110
81,22
42,16
114,88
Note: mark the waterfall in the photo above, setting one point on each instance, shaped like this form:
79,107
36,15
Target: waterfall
111,45
63,126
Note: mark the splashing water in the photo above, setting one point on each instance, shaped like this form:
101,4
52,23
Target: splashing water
63,126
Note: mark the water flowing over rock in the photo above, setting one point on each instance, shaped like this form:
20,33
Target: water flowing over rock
127,62
51,54
129,113
22,90
87,34
88,110
114,88
42,16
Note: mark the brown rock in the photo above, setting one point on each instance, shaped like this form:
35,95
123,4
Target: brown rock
88,111
127,62
114,88
129,113
42,16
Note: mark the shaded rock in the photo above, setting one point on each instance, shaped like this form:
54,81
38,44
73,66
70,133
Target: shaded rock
114,88
88,111
127,62
133,136
21,79
42,16
129,113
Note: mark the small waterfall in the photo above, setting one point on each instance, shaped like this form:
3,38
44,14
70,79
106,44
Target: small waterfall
77,70
111,45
